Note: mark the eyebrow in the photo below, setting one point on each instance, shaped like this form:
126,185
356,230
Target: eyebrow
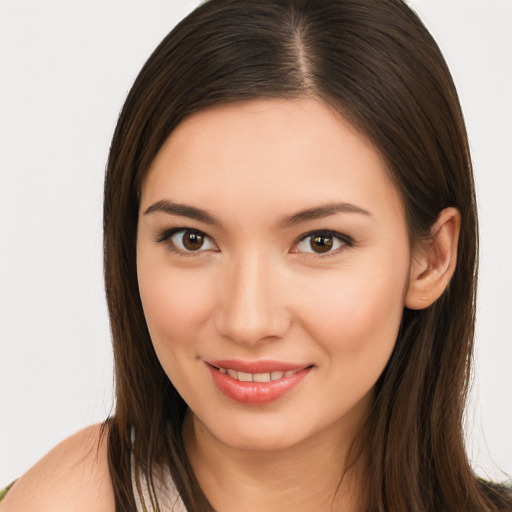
183,210
318,212
322,211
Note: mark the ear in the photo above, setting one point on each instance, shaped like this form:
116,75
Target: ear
434,261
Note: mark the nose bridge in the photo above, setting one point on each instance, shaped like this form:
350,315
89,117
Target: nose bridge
252,308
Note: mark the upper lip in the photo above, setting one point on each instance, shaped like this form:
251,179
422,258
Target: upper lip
263,366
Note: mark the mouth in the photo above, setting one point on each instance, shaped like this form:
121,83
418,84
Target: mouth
256,382
257,377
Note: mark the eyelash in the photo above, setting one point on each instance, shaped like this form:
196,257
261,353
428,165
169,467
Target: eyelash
166,237
344,240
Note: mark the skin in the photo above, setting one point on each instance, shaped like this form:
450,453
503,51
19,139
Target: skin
72,477
258,290
255,291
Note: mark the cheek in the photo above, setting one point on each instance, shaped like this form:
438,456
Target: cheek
355,316
176,304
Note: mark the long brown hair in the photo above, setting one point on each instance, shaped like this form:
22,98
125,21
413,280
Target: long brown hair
375,62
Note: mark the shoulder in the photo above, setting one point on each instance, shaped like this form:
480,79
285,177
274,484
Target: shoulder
73,477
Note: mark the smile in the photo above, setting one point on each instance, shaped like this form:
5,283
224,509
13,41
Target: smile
257,377
267,382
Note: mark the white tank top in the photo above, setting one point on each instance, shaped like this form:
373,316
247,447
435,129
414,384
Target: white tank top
166,492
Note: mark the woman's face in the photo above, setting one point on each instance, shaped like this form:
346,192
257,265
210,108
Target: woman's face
273,262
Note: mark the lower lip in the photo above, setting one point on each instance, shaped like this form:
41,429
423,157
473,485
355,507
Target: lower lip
256,392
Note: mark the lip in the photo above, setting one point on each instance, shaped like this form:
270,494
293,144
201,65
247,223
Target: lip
256,393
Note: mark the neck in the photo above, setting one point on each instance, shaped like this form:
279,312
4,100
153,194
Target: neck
310,476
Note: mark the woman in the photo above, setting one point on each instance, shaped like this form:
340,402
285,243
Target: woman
290,257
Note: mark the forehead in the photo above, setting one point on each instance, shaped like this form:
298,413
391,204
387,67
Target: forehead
269,155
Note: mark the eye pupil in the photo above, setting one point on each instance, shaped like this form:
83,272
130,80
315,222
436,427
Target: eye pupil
321,243
193,241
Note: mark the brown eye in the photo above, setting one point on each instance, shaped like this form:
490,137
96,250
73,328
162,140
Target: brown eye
321,243
187,241
192,240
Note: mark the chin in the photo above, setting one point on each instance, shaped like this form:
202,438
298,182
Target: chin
261,441
254,433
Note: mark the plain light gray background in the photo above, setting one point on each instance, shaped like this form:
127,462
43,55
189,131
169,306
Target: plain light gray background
65,68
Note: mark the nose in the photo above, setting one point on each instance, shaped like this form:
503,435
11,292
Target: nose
252,303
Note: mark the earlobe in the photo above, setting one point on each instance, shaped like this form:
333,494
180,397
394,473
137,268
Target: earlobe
434,261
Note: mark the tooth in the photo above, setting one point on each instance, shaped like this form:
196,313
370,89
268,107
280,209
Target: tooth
245,377
276,375
222,370
289,373
232,373
261,377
